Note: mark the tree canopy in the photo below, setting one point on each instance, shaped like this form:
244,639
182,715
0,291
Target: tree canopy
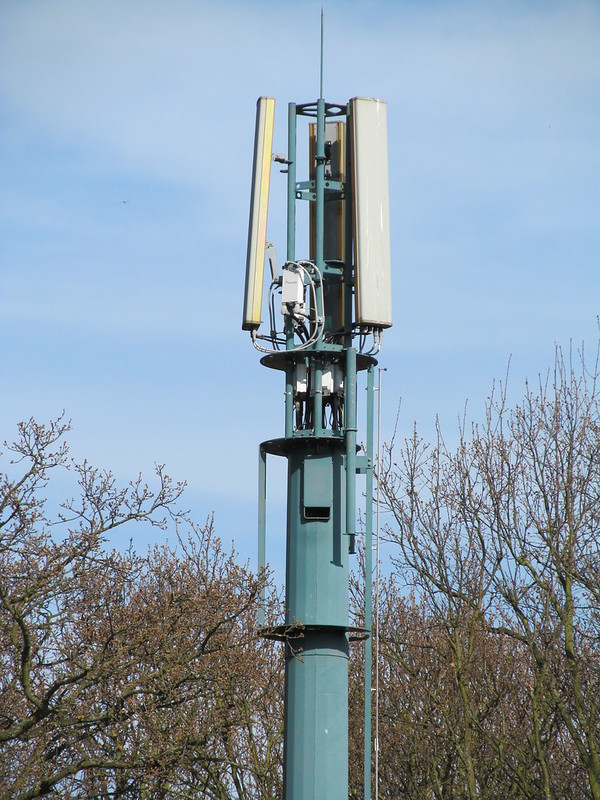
125,675
143,675
498,541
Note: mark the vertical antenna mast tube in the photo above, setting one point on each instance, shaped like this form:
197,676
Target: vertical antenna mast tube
369,582
291,256
320,199
321,72
291,204
377,587
262,527
291,183
319,235
350,426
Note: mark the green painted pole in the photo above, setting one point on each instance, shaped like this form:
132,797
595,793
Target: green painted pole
369,582
318,397
262,527
320,201
319,239
291,214
348,294
291,183
320,184
290,256
316,669
289,401
350,429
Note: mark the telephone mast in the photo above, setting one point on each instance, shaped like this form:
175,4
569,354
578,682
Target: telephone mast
327,311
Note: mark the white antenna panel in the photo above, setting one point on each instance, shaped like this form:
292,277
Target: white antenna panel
259,206
370,194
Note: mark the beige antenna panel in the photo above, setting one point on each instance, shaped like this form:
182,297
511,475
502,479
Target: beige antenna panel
259,206
370,199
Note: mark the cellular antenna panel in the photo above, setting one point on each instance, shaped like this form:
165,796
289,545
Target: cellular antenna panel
373,291
259,206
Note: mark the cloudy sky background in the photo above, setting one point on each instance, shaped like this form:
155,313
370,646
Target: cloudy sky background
126,134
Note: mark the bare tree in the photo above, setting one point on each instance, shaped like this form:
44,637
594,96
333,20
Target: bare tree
498,541
125,675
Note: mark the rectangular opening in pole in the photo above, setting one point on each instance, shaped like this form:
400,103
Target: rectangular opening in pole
317,487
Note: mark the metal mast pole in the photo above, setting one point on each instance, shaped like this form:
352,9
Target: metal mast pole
316,673
316,352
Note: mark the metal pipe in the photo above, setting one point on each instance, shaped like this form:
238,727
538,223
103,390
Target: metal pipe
291,183
348,276
320,205
318,396
320,184
377,585
289,401
262,528
369,582
290,255
316,666
291,227
350,427
321,71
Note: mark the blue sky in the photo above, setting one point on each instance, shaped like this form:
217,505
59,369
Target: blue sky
126,132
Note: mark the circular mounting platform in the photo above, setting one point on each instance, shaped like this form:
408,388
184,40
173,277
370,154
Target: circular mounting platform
286,358
296,631
282,446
